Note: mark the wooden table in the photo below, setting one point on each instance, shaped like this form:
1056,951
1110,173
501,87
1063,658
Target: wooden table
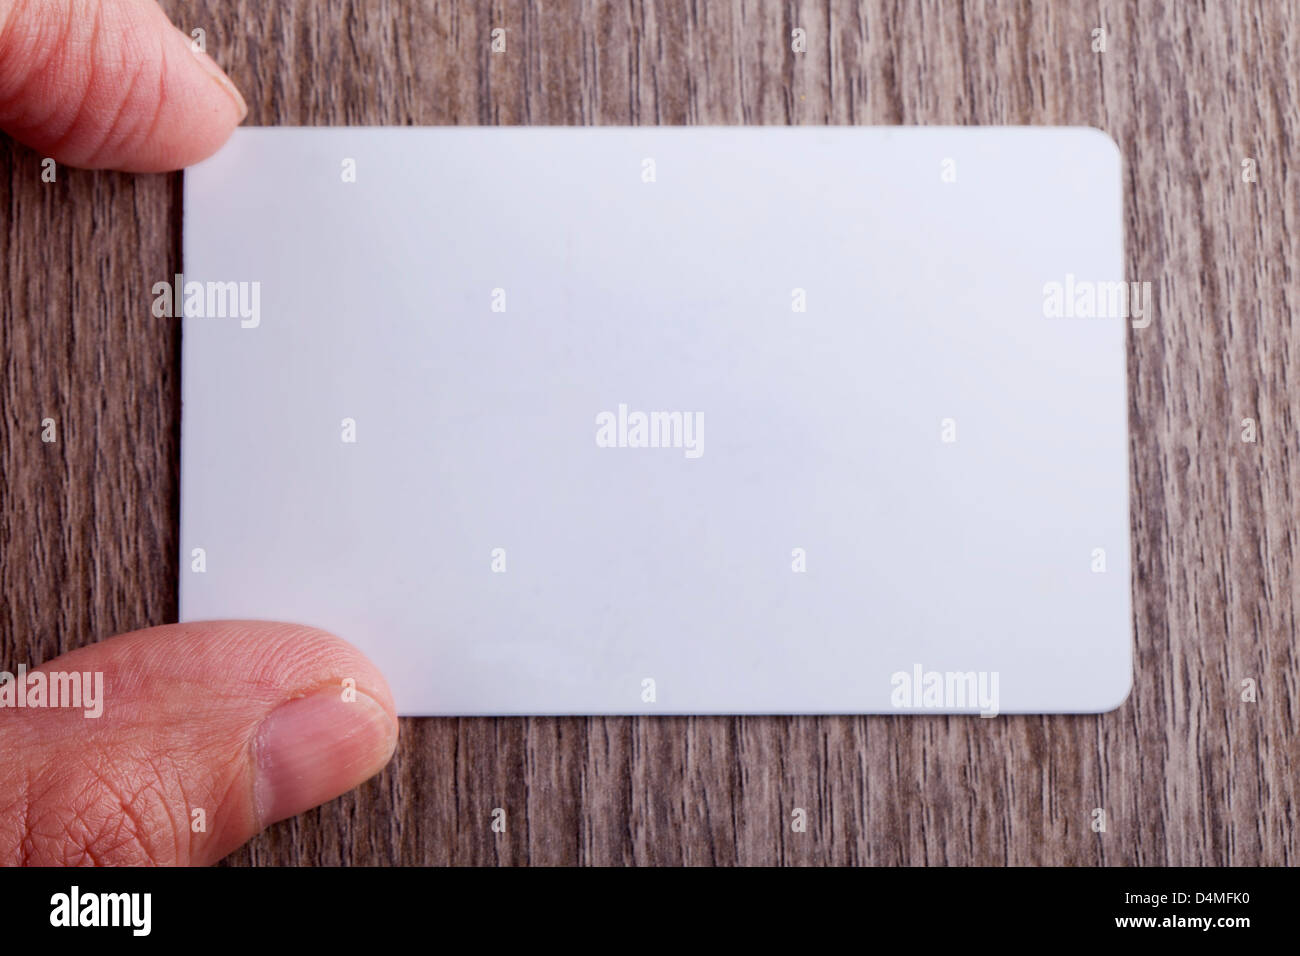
1187,771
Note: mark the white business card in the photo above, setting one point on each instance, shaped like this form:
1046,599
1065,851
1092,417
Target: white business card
667,420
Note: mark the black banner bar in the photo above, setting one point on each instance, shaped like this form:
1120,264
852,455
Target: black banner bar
978,906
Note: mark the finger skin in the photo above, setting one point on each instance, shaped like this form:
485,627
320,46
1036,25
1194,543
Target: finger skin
110,84
184,727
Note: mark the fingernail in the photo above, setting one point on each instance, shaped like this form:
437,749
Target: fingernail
218,74
312,749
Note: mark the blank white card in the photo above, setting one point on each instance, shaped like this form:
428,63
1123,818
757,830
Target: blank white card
667,420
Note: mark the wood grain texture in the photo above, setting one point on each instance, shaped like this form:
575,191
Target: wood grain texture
1187,772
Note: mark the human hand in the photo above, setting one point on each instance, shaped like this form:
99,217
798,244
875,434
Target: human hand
110,84
206,733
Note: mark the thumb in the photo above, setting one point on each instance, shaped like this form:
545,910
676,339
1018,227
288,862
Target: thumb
208,733
110,84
